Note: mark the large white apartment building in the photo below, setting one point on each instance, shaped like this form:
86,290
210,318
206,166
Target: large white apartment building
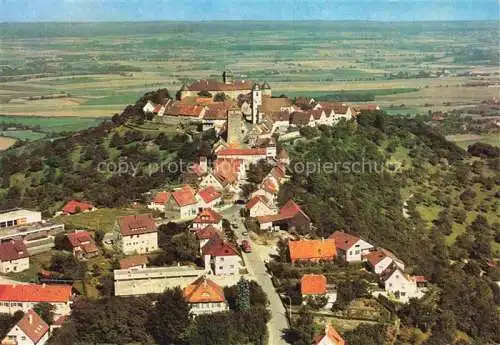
17,217
141,281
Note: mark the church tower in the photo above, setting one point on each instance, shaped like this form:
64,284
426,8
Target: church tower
256,102
228,77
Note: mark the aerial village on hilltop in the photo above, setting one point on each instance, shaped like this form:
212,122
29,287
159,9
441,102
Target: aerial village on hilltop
221,216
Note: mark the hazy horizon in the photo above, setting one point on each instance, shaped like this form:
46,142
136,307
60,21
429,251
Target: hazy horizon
13,11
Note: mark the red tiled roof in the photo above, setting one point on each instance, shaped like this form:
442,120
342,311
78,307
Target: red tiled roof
270,104
338,108
71,206
35,293
242,152
288,211
214,85
227,169
316,113
208,216
323,249
365,107
375,256
137,224
204,290
279,116
83,240
207,232
132,261
255,200
419,279
33,326
300,118
332,335
209,194
270,186
313,284
203,100
344,240
197,169
60,320
13,250
278,173
218,247
180,109
157,108
184,196
217,111
161,198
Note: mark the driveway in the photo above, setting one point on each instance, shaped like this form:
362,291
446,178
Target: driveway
256,267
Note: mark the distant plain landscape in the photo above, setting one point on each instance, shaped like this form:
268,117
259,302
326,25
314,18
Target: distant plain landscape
93,70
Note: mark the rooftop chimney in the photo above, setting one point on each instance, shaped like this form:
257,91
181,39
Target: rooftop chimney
30,318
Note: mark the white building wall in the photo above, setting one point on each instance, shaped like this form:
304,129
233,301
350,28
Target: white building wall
157,207
269,196
226,265
140,244
16,334
189,211
135,282
19,217
203,225
354,253
397,283
15,265
149,107
208,308
260,209
12,306
382,265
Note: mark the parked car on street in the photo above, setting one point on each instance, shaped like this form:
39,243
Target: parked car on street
246,247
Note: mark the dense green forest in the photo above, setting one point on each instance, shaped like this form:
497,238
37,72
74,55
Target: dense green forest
371,203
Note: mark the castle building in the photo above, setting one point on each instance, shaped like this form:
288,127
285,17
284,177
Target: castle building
229,86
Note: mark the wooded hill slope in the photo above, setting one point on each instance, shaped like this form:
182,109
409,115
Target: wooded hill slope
454,246
44,174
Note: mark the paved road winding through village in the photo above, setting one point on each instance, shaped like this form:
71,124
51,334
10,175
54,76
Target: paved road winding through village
256,267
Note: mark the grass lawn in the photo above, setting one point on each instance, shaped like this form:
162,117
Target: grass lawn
125,98
457,229
346,94
428,213
23,135
101,219
402,111
53,124
465,140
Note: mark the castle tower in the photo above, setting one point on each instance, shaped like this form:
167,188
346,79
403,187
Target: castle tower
234,125
227,77
256,102
266,89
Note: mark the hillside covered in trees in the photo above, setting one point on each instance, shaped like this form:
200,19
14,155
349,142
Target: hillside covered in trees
44,174
433,204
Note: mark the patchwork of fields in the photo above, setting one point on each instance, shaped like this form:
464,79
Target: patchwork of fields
101,67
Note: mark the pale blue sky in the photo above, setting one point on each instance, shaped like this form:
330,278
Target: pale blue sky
146,10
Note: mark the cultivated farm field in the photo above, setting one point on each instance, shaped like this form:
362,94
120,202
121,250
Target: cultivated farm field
95,69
